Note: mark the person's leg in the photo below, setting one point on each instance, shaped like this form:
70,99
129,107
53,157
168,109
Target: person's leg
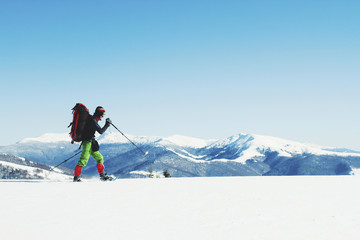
100,166
99,160
84,158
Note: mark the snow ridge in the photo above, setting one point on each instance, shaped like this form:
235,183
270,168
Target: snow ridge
48,138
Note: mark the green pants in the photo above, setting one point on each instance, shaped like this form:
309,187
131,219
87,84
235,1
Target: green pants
86,152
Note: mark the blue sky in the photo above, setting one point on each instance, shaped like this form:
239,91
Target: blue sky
206,69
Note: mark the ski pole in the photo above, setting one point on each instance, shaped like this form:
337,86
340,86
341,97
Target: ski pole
52,169
145,153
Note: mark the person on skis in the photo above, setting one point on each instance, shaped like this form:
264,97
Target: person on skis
90,147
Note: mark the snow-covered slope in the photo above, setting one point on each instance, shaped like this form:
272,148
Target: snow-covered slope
237,155
184,141
266,208
12,167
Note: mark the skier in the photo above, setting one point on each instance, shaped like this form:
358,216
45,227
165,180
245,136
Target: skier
91,147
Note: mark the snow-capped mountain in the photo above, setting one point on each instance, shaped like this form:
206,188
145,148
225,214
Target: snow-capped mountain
12,167
237,155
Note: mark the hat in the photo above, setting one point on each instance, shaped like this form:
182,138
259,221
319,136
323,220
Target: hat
99,111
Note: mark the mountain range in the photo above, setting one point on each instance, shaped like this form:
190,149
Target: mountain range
182,156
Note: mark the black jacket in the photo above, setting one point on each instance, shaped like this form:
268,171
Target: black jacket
91,127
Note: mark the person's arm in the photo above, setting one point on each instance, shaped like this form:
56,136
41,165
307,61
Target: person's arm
99,129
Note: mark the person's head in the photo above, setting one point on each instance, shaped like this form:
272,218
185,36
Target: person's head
99,112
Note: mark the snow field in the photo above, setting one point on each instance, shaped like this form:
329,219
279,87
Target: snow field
263,208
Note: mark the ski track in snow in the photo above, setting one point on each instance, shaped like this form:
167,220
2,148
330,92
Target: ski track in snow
276,208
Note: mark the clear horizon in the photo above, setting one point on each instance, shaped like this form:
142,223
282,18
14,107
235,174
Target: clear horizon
205,69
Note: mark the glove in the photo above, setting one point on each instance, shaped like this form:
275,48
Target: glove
108,121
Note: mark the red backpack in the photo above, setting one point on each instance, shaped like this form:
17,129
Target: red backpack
80,116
